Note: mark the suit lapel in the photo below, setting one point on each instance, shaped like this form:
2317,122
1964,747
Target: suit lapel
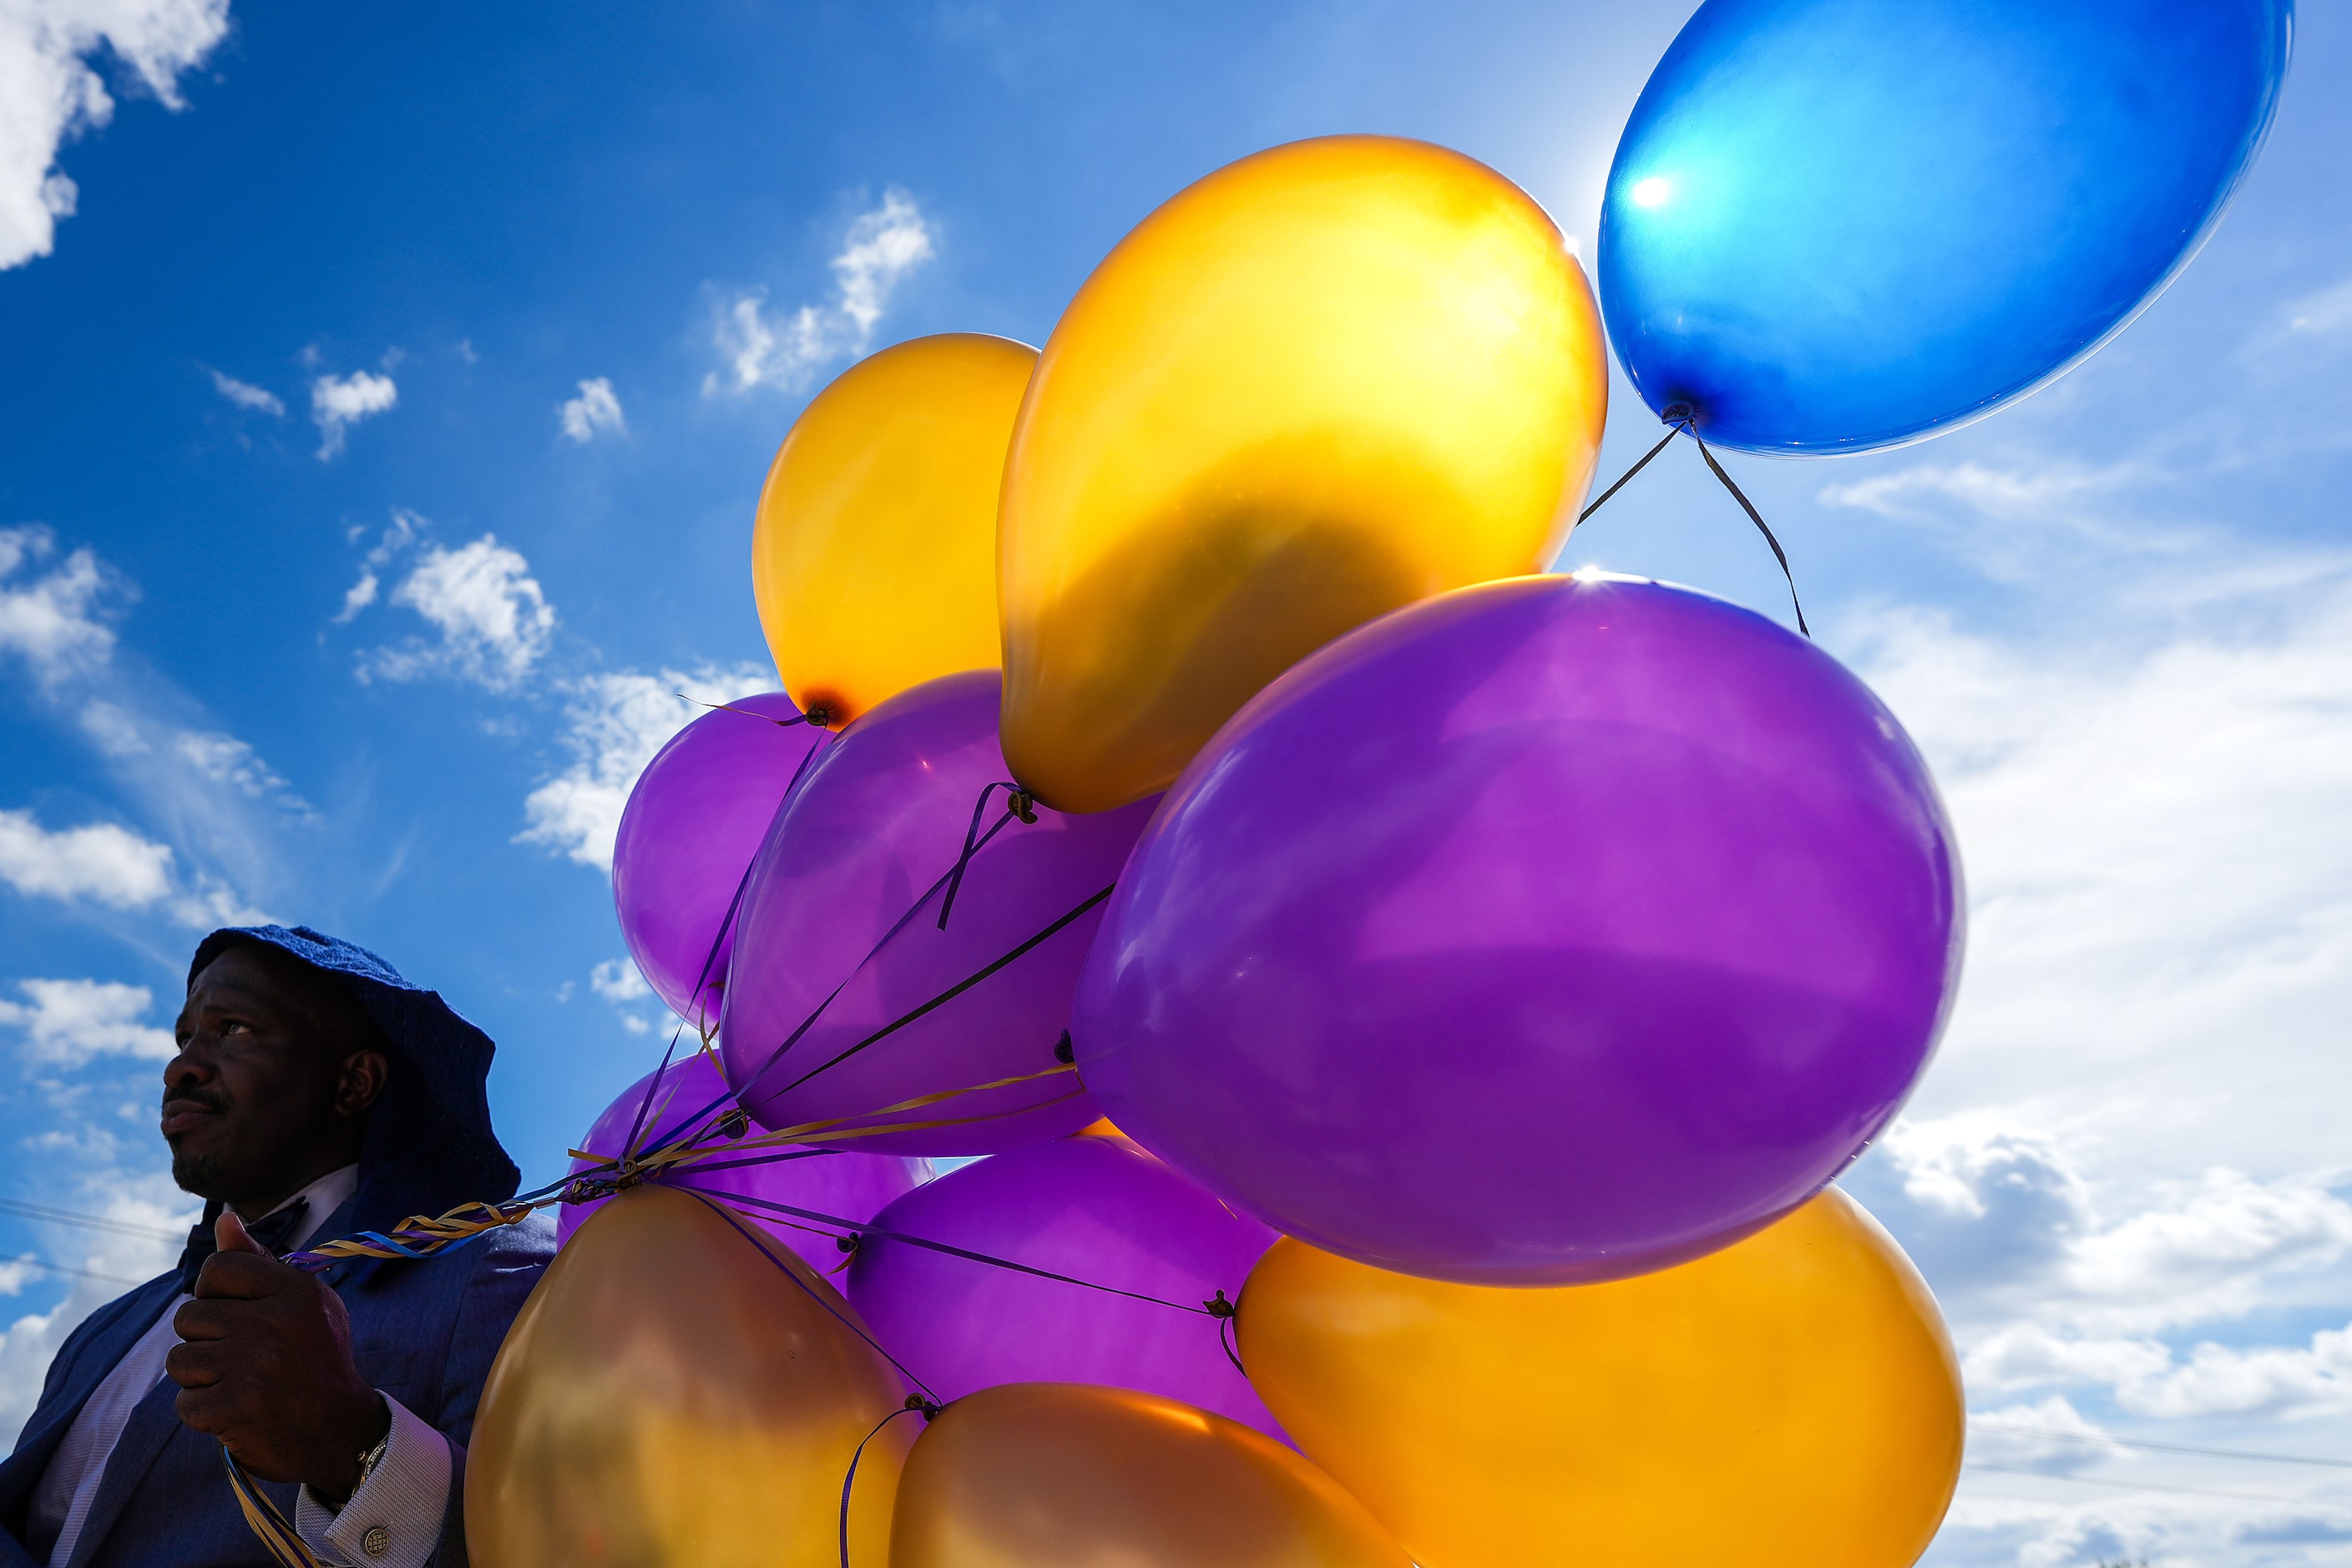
152,1422
90,1366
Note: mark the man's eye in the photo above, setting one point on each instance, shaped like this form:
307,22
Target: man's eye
233,1026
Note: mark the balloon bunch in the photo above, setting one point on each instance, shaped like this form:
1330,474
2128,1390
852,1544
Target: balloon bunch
1483,973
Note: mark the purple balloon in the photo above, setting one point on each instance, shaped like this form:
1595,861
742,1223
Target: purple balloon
1549,931
853,1187
1094,1208
693,822
839,937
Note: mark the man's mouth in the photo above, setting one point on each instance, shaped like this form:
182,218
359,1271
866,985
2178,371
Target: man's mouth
181,1115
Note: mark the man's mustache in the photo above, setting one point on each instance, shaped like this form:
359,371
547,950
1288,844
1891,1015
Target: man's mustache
201,1099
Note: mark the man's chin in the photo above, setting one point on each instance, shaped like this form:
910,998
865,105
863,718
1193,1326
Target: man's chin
198,1173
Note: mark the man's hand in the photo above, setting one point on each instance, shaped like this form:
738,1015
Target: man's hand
265,1365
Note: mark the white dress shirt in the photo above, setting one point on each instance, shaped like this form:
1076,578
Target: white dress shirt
395,1518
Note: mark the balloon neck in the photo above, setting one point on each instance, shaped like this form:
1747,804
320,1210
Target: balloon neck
1680,412
1064,1052
1217,1306
929,1408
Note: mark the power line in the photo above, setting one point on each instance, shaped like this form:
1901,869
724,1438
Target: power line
2153,1487
29,1261
87,1221
2005,1429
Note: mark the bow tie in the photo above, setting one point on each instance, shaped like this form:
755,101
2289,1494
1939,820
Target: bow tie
271,1232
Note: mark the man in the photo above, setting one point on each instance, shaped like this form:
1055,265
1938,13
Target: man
315,1094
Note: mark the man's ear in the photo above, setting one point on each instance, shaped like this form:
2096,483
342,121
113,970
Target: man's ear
363,1079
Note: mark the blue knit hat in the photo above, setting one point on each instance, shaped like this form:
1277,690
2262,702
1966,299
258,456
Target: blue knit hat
429,1144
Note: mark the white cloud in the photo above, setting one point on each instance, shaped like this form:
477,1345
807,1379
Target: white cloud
2329,311
195,780
210,754
245,394
2006,492
225,760
405,528
882,246
2208,1250
2051,1435
2145,1377
494,622
2160,876
338,402
595,409
2011,1232
66,1023
616,723
145,1199
100,862
357,597
2216,1380
48,93
617,980
50,617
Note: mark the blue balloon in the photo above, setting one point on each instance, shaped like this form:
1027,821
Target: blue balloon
1839,224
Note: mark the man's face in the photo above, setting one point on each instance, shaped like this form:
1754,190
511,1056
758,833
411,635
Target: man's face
258,1095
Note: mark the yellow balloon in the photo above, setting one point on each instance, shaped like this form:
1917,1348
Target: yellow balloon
1790,1402
668,1397
874,558
1325,381
1066,1475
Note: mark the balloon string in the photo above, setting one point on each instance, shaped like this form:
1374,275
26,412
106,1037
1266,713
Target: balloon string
1225,1343
743,883
424,1236
1018,802
1683,419
705,1026
277,1536
1210,1309
653,1085
871,954
1672,431
914,1402
820,716
854,1327
587,1185
952,992
1757,519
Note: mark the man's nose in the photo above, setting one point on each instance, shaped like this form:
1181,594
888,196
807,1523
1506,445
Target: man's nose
193,1066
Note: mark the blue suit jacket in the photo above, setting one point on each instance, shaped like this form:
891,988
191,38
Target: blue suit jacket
424,1333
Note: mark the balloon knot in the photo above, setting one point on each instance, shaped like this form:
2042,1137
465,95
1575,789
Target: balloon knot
1065,1052
1023,806
847,1243
1218,1307
735,1123
1679,413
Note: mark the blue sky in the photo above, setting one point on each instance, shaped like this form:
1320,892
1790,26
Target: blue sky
379,436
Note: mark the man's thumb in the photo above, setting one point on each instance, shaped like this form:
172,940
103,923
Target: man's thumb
230,1234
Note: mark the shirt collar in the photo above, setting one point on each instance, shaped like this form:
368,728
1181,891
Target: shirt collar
325,1195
